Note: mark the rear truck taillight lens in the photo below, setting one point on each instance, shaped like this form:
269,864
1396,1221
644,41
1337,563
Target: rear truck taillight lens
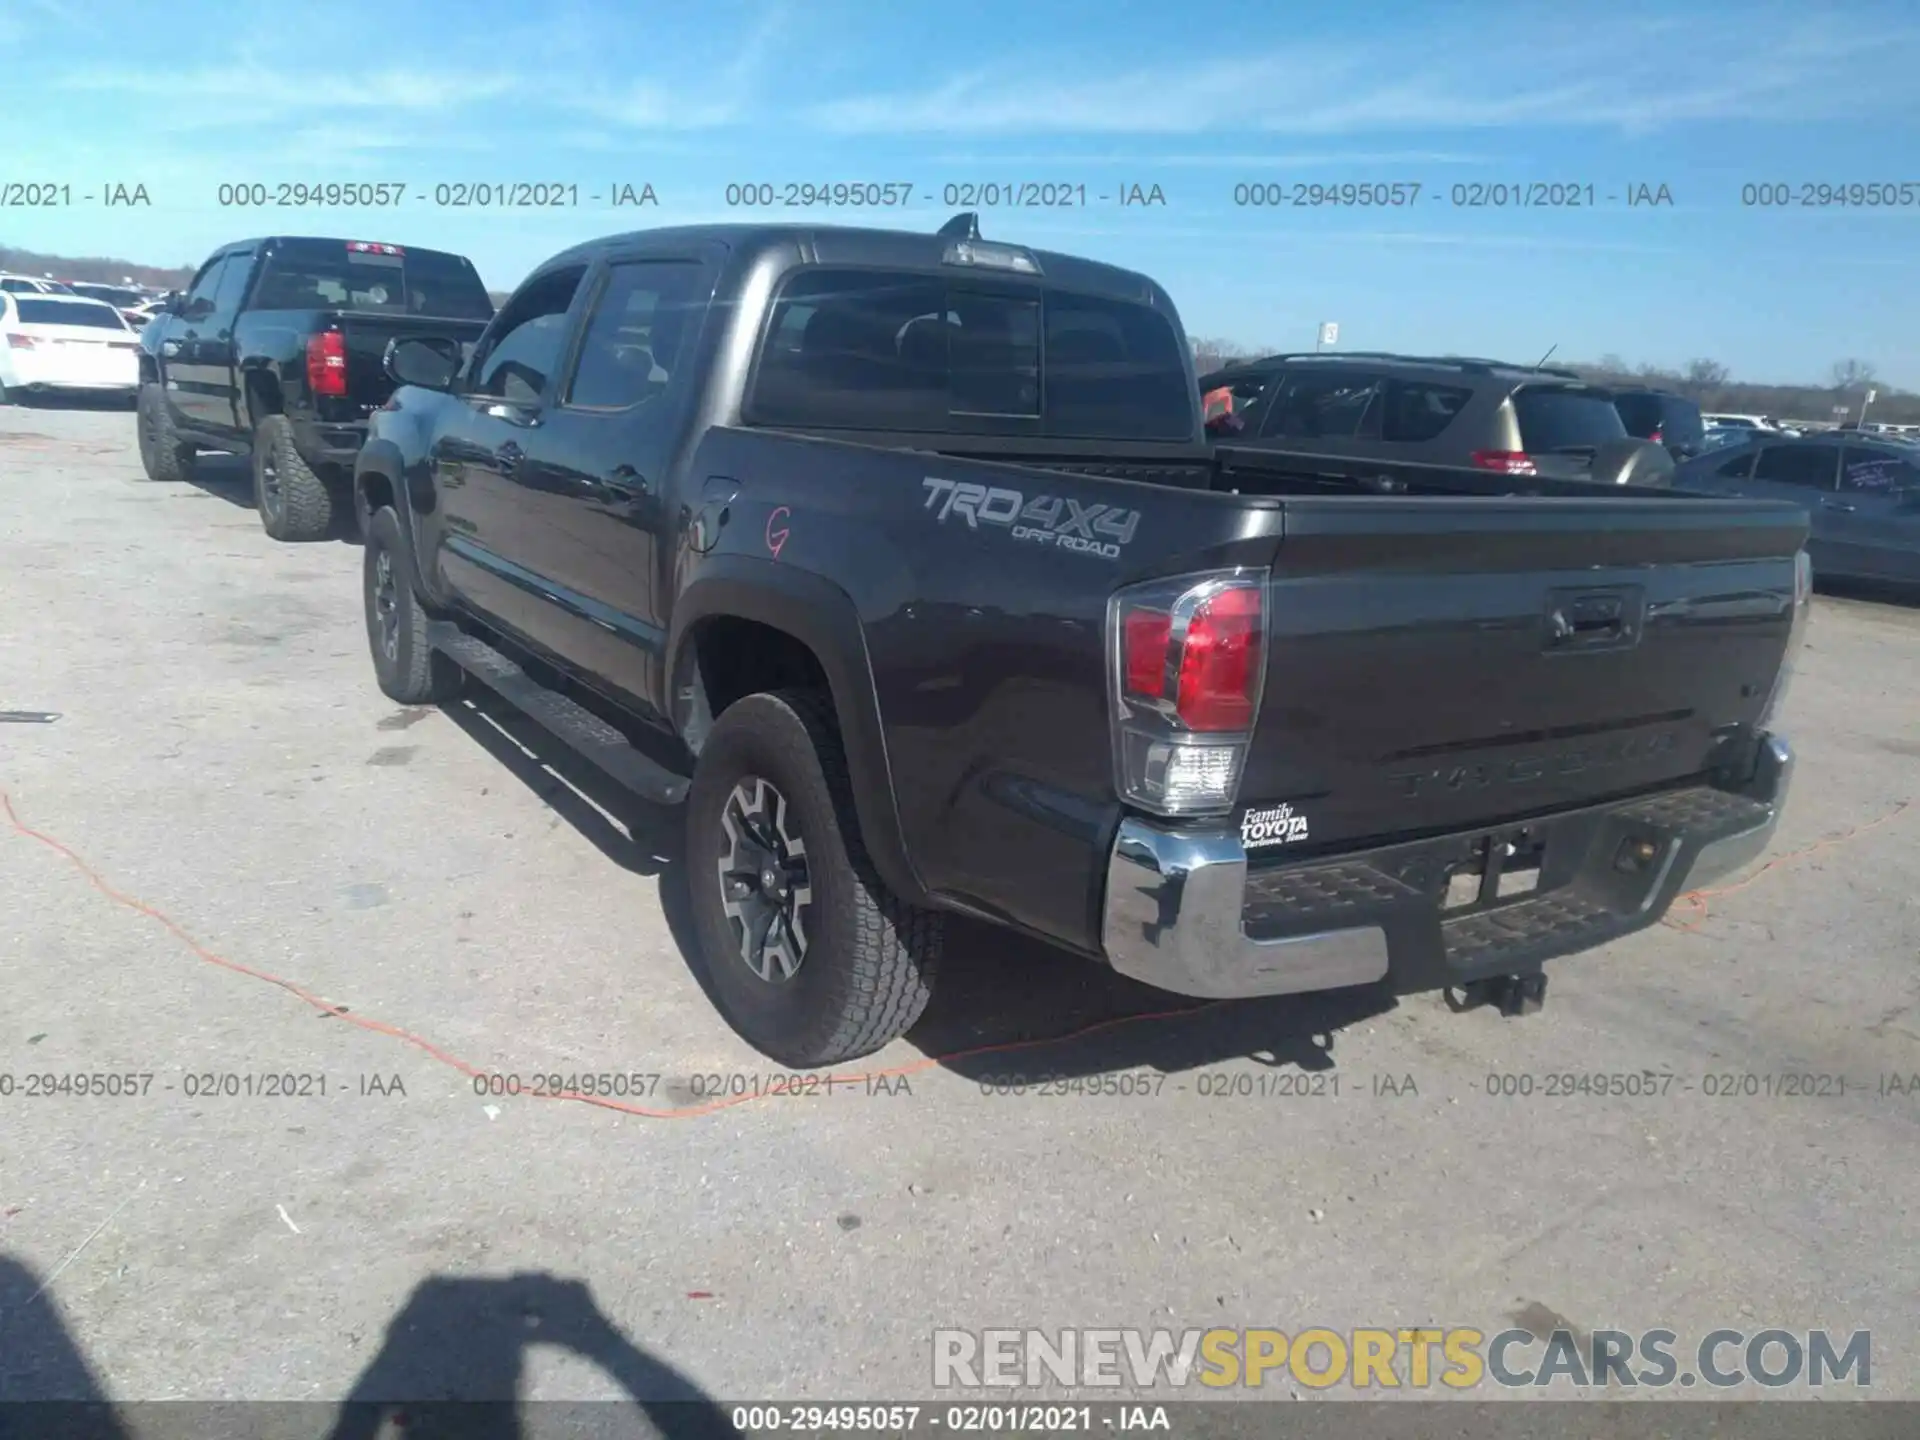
1657,437
19,342
1796,635
327,363
1188,664
1505,462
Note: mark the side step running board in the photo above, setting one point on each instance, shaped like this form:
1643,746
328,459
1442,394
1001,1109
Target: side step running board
579,728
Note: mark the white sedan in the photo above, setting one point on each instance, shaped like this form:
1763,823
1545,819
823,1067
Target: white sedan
63,344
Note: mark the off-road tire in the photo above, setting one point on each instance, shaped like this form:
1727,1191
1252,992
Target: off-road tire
163,455
295,502
410,671
870,958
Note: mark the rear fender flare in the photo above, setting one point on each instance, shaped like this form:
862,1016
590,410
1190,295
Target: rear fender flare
823,617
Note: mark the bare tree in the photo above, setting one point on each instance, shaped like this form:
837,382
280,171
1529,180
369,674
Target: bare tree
1705,374
1611,364
1215,354
1852,375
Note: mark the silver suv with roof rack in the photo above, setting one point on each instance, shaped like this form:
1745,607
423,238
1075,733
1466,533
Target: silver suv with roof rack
1494,415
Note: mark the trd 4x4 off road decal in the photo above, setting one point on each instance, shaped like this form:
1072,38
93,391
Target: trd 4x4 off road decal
1044,520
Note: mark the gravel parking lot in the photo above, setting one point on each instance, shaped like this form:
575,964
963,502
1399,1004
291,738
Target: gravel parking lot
228,834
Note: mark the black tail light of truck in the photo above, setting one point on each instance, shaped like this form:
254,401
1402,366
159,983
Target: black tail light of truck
1802,607
1188,661
327,363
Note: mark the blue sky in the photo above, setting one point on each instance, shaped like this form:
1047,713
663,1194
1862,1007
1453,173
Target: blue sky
1701,97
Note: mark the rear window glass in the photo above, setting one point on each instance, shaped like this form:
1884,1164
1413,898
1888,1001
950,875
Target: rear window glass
49,311
868,350
123,298
325,275
1562,419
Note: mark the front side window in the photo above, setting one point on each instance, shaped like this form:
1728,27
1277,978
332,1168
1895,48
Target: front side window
523,347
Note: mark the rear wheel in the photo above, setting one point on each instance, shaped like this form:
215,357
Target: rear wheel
808,955
294,501
408,669
162,453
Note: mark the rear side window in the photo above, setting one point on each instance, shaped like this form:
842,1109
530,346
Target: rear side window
47,310
1810,465
1877,471
872,350
1414,411
1553,418
1320,406
327,275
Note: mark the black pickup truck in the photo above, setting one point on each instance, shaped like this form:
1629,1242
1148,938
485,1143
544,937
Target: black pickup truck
904,562
274,351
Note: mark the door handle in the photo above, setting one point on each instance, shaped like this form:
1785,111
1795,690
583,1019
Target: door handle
509,455
624,482
1840,505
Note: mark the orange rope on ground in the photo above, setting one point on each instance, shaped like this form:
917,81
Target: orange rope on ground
801,1084
1696,898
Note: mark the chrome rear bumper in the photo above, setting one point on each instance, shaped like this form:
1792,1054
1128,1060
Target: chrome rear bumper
1184,913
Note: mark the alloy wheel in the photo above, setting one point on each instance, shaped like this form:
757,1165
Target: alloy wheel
765,888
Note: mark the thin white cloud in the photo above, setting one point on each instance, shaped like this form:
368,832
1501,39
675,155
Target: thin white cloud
1552,75
267,88
1146,161
726,95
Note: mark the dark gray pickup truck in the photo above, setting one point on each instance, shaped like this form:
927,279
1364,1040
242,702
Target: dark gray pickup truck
902,561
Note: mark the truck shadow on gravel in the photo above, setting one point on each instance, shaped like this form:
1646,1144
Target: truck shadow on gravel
1008,1008
230,478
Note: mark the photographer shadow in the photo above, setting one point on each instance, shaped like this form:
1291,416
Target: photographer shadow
48,1391
454,1359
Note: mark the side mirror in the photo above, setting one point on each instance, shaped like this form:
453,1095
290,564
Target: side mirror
428,361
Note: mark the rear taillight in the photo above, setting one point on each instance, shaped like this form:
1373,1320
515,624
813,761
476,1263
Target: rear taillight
1506,462
19,342
327,363
1657,437
1188,664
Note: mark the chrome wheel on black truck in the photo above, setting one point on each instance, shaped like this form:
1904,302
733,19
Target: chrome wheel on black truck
808,955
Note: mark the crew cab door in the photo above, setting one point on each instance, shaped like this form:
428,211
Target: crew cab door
214,354
182,370
496,540
600,456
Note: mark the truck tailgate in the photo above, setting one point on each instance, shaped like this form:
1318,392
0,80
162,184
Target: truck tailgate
366,335
1443,663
